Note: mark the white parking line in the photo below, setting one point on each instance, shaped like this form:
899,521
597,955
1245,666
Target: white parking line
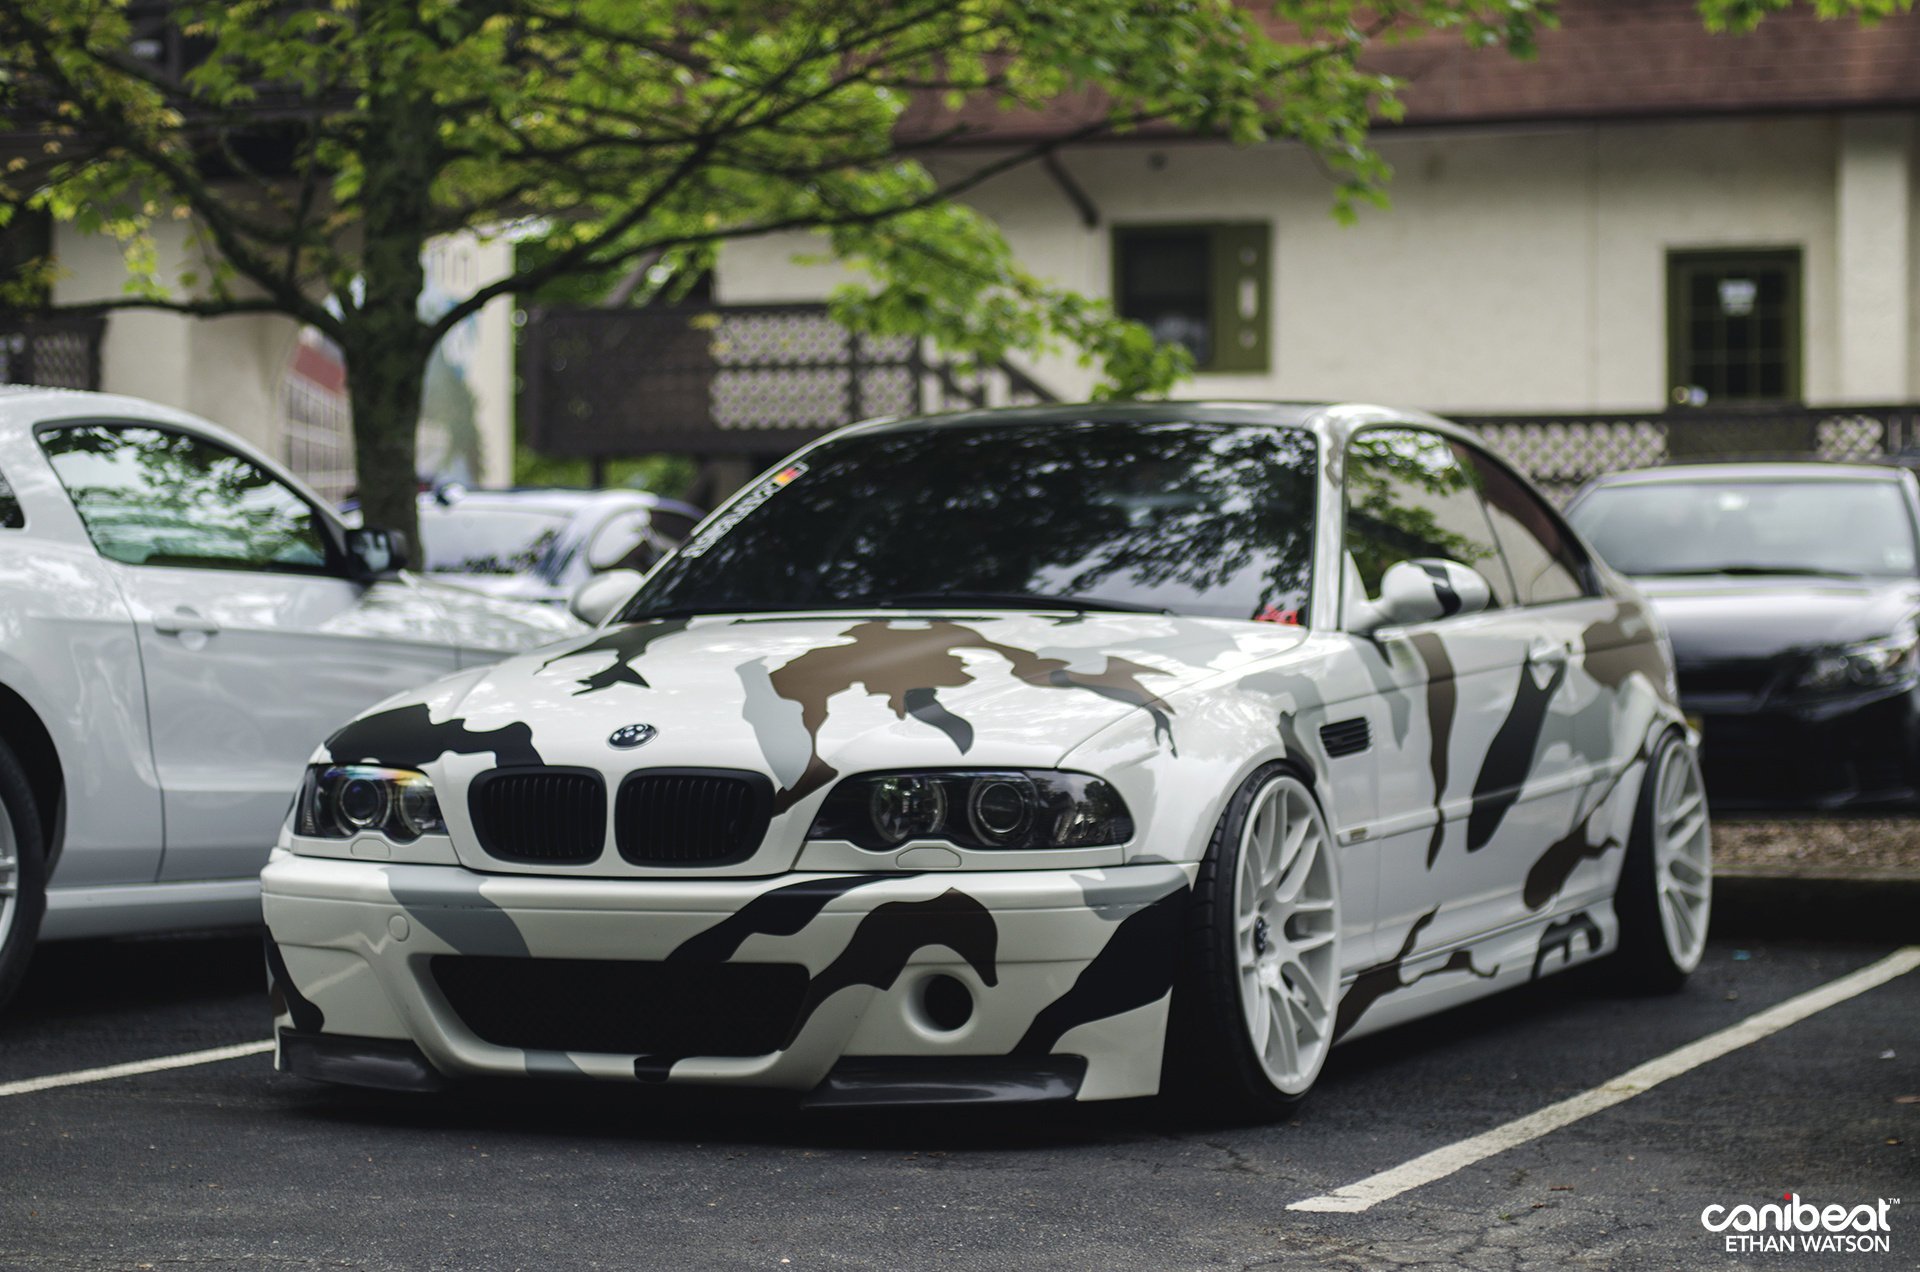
27,1086
1442,1162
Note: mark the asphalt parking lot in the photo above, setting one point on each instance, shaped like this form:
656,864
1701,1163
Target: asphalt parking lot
228,1164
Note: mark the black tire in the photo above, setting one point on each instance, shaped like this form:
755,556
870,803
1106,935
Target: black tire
29,875
1645,962
1210,1069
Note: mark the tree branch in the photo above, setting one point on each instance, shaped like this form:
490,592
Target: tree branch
581,259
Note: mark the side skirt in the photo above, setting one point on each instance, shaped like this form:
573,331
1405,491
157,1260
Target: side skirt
137,909
1428,982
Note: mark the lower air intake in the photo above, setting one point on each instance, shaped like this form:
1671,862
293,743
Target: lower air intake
626,1008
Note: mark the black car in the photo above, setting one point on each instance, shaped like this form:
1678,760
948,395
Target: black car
1790,591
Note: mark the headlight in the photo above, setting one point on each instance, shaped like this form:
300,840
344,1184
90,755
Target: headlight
339,801
994,809
1874,662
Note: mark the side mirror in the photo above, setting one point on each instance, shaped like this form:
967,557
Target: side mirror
375,552
1420,591
620,539
600,596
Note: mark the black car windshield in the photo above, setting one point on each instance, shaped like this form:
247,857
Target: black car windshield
1185,517
460,540
1750,527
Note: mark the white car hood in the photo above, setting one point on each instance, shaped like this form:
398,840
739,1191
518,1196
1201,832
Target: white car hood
806,698
494,624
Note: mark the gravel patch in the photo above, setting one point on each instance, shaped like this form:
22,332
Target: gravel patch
1842,845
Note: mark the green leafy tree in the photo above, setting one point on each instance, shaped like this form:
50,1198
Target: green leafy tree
316,148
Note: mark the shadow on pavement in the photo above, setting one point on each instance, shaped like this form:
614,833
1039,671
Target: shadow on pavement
81,978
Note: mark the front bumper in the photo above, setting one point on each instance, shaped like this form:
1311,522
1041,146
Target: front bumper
1859,750
1001,985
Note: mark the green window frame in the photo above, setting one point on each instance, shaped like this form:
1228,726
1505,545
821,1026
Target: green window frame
1207,285
1735,326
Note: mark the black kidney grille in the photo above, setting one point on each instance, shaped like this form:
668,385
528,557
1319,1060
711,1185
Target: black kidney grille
678,817
628,1008
555,816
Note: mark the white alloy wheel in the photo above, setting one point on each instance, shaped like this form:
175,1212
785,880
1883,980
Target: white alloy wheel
9,872
1286,933
1682,855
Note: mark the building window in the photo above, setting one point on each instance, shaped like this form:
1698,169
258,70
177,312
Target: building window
1203,286
1733,326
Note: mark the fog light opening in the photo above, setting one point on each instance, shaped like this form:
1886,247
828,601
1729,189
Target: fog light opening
946,1003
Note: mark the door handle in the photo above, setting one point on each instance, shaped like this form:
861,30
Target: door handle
1547,653
184,620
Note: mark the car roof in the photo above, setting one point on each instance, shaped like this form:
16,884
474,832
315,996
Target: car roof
1750,470
1326,418
27,405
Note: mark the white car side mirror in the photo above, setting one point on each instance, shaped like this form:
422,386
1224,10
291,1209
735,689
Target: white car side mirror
1420,591
600,596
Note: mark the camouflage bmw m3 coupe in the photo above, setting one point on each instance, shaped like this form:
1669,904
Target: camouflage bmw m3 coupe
1070,753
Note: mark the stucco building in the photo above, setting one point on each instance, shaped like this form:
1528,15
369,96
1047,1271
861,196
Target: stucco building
1643,216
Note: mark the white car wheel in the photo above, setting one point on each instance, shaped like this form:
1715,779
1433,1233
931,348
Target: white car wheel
1666,882
1285,931
1258,992
9,872
1682,856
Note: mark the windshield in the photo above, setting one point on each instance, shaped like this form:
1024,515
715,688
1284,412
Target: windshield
1190,518
1750,527
488,540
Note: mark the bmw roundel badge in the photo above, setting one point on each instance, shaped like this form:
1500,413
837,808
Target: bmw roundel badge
628,736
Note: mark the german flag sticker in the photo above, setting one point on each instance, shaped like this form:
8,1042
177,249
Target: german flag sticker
788,474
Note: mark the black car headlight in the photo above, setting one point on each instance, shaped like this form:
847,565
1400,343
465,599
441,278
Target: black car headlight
985,808
1871,663
339,801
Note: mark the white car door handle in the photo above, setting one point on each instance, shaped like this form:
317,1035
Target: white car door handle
182,621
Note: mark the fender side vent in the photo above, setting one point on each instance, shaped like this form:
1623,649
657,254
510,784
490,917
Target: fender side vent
1346,737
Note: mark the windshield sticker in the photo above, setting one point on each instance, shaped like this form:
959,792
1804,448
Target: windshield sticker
733,516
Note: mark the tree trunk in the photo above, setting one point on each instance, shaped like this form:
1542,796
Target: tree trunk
385,342
383,383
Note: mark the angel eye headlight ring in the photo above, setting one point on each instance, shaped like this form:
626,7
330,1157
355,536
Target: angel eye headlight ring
339,801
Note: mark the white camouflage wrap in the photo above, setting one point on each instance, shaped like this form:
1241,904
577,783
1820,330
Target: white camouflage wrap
1533,765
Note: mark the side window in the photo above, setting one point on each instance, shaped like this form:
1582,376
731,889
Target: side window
11,517
1546,567
1409,496
153,496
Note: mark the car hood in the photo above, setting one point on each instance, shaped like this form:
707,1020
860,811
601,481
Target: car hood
506,587
805,698
1760,617
494,624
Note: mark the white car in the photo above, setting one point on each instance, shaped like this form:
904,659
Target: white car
1004,756
179,619
544,545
